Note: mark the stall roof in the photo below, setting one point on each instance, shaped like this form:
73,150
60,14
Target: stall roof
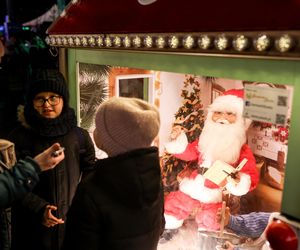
256,27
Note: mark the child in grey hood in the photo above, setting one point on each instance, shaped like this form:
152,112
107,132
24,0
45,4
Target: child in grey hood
119,206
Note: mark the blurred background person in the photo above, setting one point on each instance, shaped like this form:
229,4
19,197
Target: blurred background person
19,178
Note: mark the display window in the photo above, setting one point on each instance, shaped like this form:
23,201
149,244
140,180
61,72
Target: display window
183,101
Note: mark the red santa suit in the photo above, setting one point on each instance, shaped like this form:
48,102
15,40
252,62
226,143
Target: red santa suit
218,141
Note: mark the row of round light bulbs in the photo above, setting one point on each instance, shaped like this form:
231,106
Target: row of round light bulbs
221,42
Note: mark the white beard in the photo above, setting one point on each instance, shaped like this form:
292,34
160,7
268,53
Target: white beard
221,141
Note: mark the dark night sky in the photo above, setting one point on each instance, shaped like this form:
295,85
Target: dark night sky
24,10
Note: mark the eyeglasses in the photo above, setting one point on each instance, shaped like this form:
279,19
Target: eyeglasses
52,100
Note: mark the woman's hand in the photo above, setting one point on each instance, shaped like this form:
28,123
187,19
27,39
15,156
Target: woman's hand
49,220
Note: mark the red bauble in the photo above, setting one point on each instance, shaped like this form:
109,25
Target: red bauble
281,236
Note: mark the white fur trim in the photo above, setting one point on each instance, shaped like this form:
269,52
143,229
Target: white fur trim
228,103
178,145
172,222
240,188
195,188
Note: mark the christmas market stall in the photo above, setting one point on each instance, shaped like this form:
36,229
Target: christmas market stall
196,61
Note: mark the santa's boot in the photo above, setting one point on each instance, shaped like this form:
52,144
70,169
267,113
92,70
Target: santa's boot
167,235
171,228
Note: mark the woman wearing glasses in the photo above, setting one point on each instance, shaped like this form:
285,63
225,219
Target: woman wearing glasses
38,219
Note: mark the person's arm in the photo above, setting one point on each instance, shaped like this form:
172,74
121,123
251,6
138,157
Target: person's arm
251,225
17,181
21,179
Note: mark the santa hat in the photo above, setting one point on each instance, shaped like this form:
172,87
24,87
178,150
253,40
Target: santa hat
230,101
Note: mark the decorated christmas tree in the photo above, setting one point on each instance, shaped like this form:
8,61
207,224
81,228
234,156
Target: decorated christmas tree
190,117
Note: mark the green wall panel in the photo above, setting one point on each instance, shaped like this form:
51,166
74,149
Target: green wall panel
267,70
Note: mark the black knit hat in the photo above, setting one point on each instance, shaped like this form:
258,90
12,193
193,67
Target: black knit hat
48,80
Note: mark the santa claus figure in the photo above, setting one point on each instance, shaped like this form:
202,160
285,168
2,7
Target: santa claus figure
223,138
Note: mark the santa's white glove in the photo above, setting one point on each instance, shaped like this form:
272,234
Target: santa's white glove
177,145
241,187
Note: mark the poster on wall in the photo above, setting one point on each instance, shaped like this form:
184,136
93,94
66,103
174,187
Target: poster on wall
266,104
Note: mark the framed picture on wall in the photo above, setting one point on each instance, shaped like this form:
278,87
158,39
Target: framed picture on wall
139,86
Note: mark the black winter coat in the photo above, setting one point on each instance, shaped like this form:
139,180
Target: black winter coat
119,206
56,187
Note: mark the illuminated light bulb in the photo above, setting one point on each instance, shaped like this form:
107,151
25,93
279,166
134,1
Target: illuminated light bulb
188,42
240,43
173,42
92,41
47,40
262,43
71,41
160,42
117,41
284,43
84,41
204,42
58,41
77,41
100,41
127,42
108,42
64,41
148,41
222,42
137,42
